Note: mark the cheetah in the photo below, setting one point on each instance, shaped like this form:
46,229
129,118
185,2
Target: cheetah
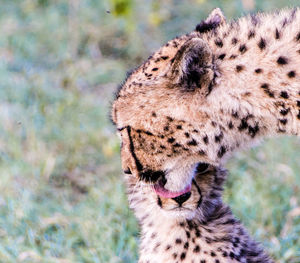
204,95
193,227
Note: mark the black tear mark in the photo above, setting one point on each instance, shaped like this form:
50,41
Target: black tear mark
131,149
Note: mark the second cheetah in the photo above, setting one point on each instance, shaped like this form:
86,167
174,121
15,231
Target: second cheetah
193,227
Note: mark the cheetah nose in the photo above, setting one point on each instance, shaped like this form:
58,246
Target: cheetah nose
182,198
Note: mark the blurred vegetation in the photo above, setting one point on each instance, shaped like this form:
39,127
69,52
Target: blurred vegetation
61,193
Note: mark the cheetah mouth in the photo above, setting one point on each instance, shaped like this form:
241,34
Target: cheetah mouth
161,191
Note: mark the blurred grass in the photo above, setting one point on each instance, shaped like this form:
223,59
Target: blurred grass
61,192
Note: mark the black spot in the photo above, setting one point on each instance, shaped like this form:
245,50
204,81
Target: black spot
243,124
198,234
235,114
174,255
170,119
154,114
266,89
192,142
219,42
168,247
205,139
253,130
154,69
283,121
178,241
234,41
233,57
243,48
182,256
221,151
291,74
196,249
188,234
148,133
187,135
258,70
284,94
298,116
282,60
284,112
230,125
251,34
219,137
239,68
179,127
225,254
201,152
277,34
186,245
262,44
171,140
166,128
212,253
222,56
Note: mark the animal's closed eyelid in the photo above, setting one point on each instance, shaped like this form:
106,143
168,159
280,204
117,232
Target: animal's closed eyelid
127,171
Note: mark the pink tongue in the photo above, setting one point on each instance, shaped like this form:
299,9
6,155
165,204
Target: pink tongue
163,192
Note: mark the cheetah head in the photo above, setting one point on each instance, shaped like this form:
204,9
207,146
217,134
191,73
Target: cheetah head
161,108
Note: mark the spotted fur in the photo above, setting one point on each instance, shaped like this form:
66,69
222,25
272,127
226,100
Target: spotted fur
198,228
206,94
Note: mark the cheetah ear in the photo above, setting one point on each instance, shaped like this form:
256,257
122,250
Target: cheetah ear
214,20
193,66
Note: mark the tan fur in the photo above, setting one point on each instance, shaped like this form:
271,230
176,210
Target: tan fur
248,87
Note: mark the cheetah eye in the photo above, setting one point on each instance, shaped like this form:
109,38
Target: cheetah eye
127,171
201,168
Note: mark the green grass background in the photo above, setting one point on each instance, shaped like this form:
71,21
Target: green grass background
62,196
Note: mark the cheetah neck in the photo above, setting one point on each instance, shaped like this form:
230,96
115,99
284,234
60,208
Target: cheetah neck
166,238
258,92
